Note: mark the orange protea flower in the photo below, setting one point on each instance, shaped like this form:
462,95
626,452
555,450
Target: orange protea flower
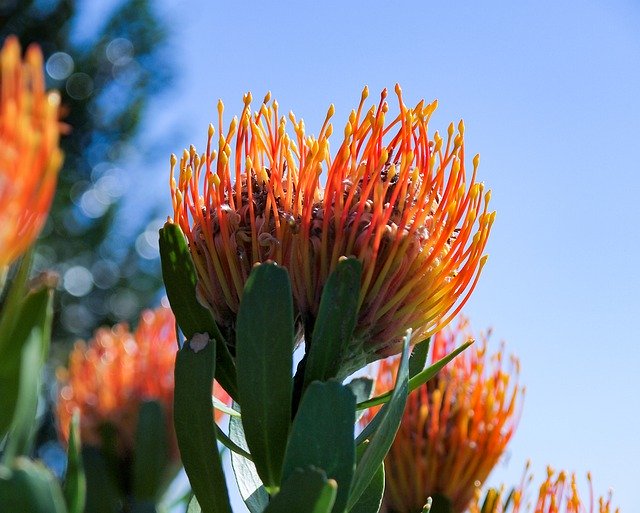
108,378
454,428
557,494
398,200
29,154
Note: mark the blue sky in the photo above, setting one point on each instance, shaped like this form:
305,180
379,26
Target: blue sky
549,92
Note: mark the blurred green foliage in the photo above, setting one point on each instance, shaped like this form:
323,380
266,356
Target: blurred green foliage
107,71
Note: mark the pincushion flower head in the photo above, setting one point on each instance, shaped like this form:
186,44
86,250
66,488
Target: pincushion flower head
30,157
558,493
108,379
454,428
397,199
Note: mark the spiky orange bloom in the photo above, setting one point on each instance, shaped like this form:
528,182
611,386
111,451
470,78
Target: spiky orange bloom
557,494
398,200
29,154
108,378
454,428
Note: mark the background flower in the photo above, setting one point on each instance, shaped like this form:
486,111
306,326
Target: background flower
108,378
454,429
558,493
29,154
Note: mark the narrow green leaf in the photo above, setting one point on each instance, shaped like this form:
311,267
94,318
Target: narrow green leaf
195,428
418,358
335,322
322,436
371,498
230,444
29,487
427,507
253,493
179,275
306,491
381,441
75,484
151,452
419,379
219,405
264,360
20,366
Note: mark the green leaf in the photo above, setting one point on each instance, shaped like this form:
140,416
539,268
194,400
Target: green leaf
253,493
381,441
20,366
103,493
264,360
418,358
151,451
306,491
371,498
13,301
29,487
419,379
75,483
427,507
322,436
179,275
195,427
219,405
230,444
335,322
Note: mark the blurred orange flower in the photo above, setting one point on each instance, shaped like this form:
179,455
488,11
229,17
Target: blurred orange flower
557,494
398,200
30,157
108,378
454,428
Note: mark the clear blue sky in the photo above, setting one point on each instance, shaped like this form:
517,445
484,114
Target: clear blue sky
550,95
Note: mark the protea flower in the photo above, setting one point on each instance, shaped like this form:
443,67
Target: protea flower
557,494
108,378
394,197
454,428
29,154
